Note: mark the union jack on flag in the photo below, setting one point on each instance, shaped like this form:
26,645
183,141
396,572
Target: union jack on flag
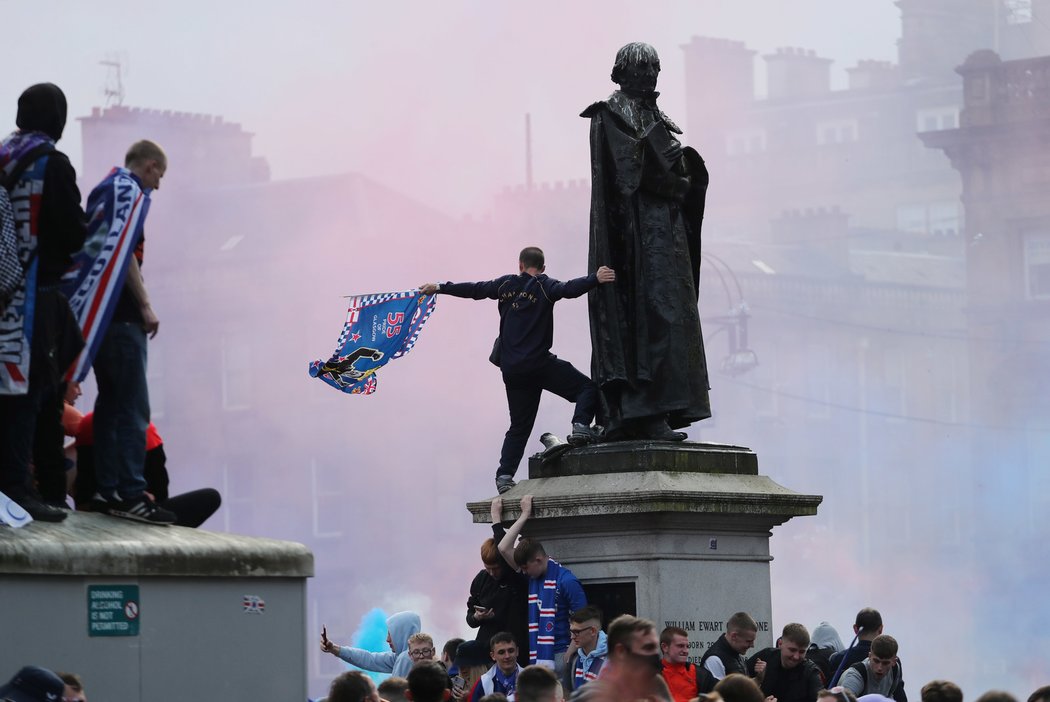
378,328
253,604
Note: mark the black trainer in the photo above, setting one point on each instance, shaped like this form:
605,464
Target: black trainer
142,509
504,483
102,504
582,435
40,511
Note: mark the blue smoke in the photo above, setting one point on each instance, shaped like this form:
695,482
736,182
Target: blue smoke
371,636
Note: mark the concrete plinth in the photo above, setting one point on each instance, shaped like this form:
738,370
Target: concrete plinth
155,613
676,533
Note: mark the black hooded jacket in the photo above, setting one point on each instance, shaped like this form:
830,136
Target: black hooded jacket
42,108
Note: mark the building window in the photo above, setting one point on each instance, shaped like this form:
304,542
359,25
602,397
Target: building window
745,141
935,218
843,131
932,119
327,498
236,371
1037,266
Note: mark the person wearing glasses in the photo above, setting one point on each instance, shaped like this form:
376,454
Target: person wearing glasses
588,651
421,647
396,661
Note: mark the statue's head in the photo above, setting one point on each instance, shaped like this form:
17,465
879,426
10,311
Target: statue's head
636,68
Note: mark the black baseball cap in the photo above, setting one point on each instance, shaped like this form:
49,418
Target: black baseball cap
33,684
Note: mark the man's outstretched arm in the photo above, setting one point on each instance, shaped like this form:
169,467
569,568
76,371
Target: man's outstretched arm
578,286
506,544
486,289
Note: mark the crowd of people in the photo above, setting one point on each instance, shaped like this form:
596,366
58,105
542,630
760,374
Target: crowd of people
72,298
539,640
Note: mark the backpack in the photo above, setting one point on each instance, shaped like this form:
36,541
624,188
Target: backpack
705,679
11,269
863,670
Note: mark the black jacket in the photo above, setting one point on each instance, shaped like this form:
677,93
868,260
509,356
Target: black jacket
732,661
508,597
526,312
62,227
798,684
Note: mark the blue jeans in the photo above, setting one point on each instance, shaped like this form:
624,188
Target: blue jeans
121,412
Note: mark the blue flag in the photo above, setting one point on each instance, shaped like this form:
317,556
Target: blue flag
378,328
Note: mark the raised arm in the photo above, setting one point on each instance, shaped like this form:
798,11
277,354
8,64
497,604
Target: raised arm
506,544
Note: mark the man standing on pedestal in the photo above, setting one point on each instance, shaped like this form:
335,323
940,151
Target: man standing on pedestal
122,406
554,594
523,350
647,204
38,336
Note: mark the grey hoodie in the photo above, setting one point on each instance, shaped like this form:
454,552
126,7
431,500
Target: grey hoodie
396,662
826,636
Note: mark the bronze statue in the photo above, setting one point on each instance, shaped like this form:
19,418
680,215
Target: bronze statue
647,205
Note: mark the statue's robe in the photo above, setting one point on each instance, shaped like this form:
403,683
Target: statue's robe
646,212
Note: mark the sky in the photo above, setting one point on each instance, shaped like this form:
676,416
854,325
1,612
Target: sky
401,90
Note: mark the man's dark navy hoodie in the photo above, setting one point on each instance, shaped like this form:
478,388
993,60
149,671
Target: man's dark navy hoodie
526,312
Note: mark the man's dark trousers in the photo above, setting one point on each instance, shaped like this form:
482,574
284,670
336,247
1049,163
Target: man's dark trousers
523,399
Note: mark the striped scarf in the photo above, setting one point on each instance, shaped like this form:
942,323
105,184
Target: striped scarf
542,595
117,209
581,676
16,319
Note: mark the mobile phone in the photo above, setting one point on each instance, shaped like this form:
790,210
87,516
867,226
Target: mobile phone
458,683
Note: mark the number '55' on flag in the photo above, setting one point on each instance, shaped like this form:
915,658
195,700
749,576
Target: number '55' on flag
378,329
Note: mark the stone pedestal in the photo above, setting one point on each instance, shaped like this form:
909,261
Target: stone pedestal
155,613
673,532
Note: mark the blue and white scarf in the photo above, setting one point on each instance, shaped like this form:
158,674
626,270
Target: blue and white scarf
16,319
542,597
581,676
505,683
117,209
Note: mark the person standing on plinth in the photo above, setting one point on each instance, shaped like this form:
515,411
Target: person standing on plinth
523,350
121,201
647,204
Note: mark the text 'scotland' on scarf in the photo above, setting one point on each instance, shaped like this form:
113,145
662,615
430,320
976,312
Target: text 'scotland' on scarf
542,597
16,318
117,210
378,329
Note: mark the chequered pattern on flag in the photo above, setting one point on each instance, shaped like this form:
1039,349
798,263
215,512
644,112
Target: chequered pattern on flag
378,328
